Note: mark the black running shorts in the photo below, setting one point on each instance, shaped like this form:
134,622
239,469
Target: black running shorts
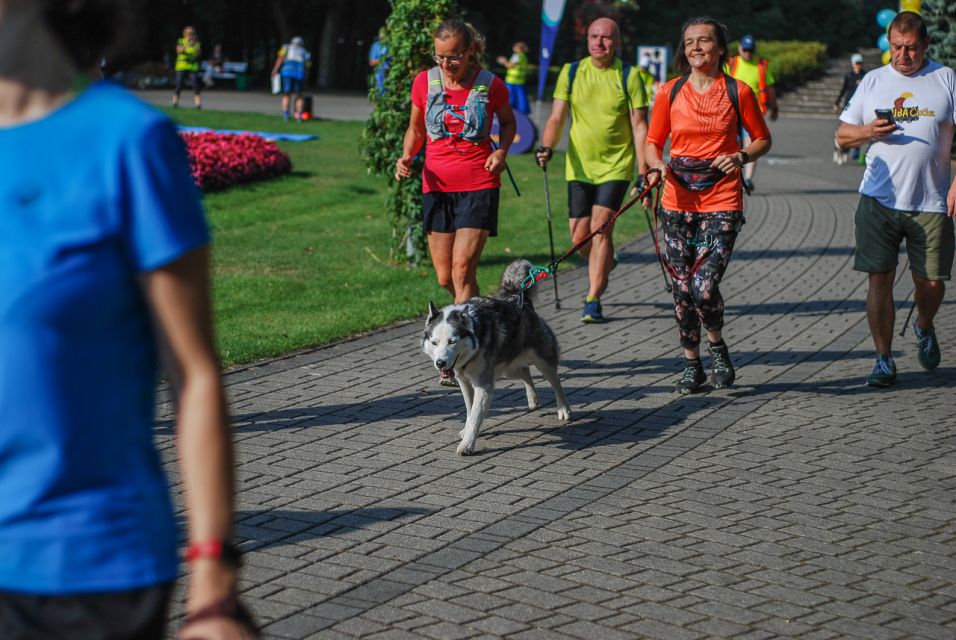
139,614
583,195
448,212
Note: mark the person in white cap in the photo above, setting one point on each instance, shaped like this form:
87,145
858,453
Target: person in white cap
292,65
850,82
647,78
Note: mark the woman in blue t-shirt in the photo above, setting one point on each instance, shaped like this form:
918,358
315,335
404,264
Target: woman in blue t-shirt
103,256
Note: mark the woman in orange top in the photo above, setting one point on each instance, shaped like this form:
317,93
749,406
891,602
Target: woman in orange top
702,206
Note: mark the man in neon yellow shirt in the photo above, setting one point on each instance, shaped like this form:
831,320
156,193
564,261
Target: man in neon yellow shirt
755,71
608,127
188,51
516,72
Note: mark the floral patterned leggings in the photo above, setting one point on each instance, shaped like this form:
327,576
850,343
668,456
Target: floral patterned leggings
697,300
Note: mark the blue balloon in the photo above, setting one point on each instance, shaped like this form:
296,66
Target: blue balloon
883,42
885,17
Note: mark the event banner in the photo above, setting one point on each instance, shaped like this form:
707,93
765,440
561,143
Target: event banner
551,13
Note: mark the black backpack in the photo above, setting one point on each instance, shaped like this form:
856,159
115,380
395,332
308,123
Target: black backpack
625,71
731,85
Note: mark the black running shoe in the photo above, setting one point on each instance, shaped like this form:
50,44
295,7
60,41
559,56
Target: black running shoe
691,379
723,375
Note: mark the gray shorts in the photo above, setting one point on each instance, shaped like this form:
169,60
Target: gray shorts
880,230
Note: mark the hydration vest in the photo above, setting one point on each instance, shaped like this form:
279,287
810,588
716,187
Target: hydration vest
473,114
295,59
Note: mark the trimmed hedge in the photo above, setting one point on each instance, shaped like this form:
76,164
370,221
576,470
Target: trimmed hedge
792,62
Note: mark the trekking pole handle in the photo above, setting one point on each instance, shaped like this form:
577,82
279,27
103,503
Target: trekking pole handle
543,149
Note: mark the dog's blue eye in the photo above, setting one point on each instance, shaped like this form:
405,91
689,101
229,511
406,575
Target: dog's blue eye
452,340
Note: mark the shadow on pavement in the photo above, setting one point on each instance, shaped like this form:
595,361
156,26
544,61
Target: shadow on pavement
273,527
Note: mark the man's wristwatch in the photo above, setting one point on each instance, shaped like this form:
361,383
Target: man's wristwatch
744,157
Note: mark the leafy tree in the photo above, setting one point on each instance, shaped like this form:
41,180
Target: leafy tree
940,16
408,36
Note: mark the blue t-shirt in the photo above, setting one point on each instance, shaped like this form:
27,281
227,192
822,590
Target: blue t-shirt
94,194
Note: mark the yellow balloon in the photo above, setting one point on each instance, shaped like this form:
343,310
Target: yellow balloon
910,5
886,57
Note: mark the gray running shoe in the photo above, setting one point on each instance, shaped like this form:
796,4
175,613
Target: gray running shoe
883,374
691,379
928,346
723,375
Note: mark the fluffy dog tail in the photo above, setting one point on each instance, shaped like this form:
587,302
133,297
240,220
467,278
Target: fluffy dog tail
511,280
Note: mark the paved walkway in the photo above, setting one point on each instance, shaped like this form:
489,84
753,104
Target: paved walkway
798,504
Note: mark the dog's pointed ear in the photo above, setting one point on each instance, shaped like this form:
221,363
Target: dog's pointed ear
433,311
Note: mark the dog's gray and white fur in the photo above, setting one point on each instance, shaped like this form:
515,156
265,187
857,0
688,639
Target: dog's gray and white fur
488,338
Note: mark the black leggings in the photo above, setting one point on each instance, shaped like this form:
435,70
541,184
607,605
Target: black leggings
697,299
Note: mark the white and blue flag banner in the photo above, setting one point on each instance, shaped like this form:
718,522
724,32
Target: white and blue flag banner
551,13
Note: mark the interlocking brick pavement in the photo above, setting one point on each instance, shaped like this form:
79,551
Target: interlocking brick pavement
798,504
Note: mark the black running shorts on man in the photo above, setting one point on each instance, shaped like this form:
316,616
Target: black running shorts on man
582,196
447,212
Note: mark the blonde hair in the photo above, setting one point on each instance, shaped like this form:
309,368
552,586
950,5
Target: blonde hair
453,27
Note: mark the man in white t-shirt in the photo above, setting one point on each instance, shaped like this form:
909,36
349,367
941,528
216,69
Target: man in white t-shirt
906,111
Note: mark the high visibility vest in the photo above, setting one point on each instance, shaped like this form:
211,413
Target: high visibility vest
188,59
517,74
761,82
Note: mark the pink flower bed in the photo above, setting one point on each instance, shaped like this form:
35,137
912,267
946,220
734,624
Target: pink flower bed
221,160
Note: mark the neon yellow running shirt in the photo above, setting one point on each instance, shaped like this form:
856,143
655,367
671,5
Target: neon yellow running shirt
602,145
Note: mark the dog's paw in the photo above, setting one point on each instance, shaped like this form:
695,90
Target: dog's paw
564,414
461,434
465,448
533,404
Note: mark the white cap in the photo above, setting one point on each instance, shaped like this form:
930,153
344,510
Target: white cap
856,58
298,40
644,62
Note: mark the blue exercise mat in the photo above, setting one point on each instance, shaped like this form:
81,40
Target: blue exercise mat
268,135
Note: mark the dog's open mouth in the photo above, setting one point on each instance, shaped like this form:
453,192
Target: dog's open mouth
449,373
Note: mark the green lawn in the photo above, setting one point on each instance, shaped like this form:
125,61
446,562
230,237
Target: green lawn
303,260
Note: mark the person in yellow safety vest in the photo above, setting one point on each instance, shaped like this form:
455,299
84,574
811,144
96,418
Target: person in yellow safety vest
188,51
516,72
753,70
647,78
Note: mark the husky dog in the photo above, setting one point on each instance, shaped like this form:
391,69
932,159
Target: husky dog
485,339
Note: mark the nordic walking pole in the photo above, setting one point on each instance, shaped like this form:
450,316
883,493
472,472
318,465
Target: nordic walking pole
913,306
653,229
547,208
667,283
907,323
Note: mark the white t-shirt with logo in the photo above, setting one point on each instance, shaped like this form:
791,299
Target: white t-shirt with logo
909,169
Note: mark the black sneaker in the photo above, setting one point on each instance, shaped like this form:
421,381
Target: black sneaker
691,379
724,374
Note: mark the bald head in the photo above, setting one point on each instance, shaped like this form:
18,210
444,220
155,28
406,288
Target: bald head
604,39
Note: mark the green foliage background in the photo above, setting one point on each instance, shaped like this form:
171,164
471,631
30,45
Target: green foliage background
408,36
792,62
940,16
